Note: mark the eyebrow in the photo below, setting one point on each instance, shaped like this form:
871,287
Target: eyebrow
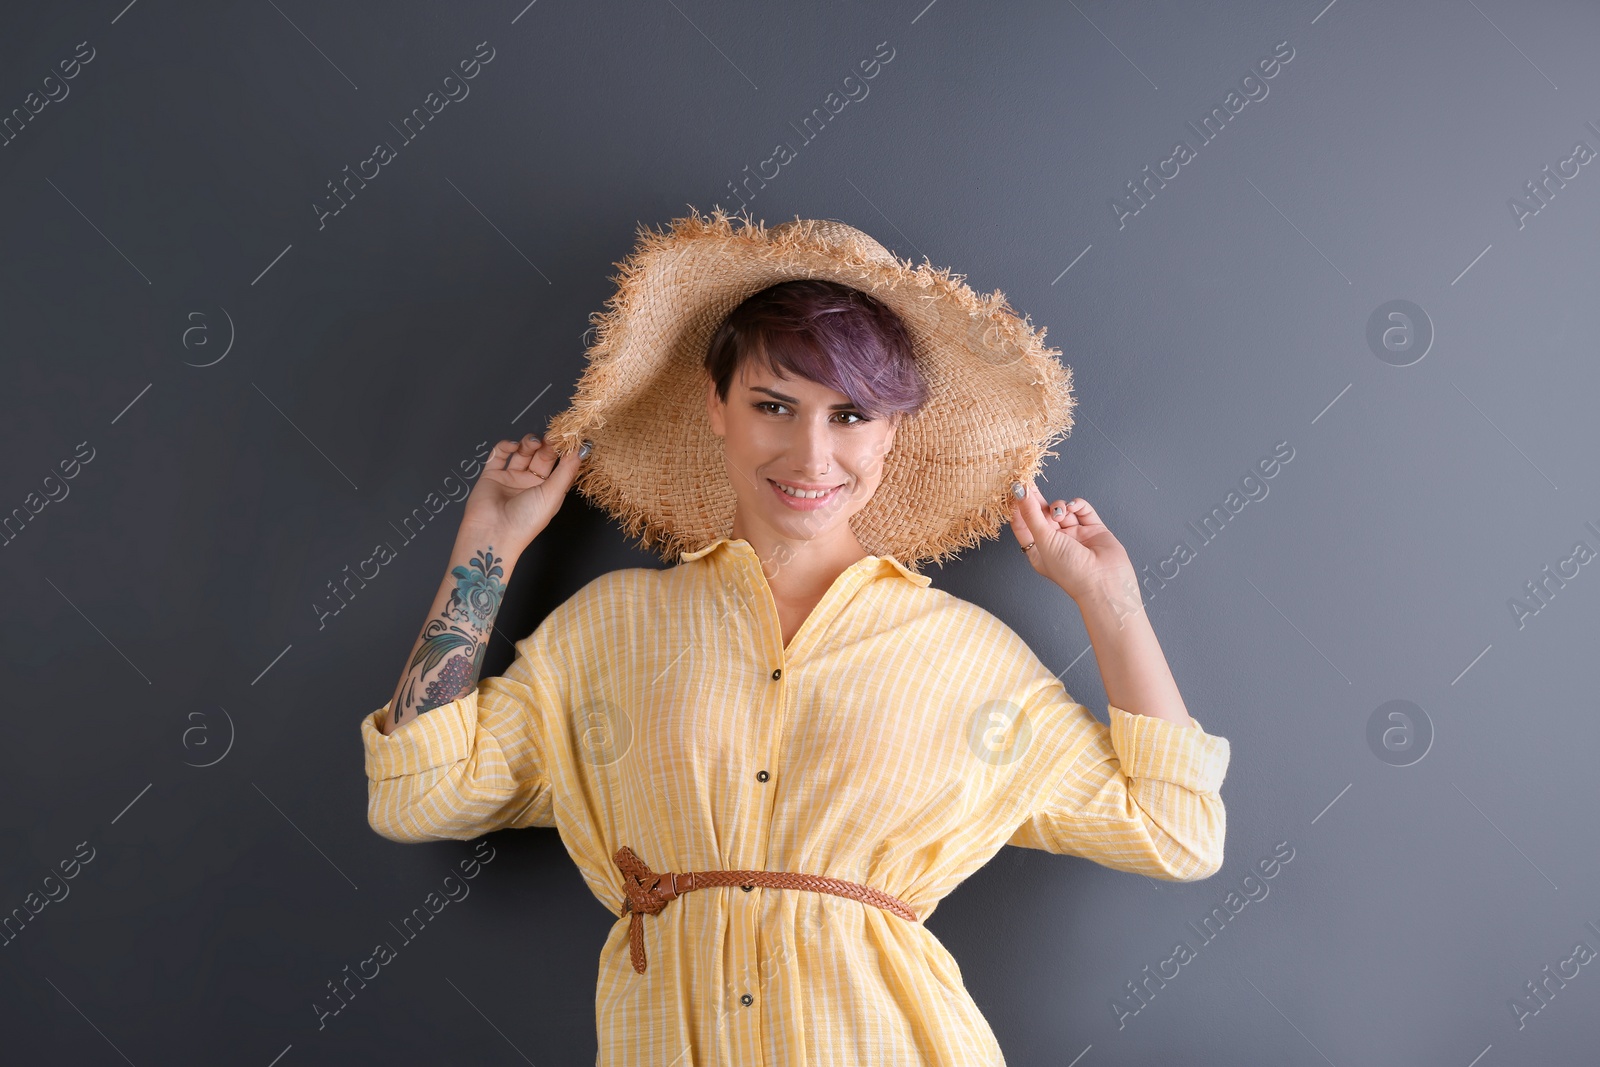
791,400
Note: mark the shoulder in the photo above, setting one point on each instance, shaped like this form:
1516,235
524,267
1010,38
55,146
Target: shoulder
615,591
624,581
943,602
599,607
973,632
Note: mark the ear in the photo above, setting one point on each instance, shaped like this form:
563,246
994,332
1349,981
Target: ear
715,408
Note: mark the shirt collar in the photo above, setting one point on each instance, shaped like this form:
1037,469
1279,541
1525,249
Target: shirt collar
740,544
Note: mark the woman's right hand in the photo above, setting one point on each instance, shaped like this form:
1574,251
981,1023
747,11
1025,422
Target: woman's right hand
517,499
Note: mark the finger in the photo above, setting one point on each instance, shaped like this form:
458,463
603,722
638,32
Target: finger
1085,512
1047,512
1073,513
498,455
543,460
525,450
1077,512
565,472
1019,525
1039,524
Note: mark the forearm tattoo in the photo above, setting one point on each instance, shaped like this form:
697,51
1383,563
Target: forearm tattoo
458,639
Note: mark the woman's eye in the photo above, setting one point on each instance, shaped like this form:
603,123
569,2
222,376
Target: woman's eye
764,405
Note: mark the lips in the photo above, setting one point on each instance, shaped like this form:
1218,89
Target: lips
804,503
802,488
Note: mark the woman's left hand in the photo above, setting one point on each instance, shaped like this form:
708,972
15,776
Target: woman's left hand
1071,546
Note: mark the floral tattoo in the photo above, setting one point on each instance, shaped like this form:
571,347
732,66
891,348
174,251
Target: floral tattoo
458,639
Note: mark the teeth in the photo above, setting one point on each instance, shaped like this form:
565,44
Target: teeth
811,494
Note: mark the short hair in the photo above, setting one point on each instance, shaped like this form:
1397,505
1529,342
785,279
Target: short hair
826,332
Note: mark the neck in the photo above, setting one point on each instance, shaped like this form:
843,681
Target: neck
800,567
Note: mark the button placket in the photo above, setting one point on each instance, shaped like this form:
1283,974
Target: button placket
778,706
745,978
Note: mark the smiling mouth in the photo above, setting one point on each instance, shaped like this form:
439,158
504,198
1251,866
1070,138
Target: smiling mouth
808,494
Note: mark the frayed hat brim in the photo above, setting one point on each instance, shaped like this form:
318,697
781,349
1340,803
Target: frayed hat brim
998,397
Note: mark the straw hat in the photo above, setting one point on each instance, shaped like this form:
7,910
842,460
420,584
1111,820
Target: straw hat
997,397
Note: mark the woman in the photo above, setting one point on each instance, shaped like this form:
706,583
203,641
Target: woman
772,760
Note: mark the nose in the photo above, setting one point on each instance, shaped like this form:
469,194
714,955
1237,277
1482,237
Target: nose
812,453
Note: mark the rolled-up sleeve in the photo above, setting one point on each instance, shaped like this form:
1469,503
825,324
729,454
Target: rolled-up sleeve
468,767
1141,794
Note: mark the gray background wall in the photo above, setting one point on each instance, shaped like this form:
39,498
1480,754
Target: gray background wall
255,397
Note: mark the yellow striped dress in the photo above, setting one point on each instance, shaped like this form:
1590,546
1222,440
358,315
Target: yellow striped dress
899,740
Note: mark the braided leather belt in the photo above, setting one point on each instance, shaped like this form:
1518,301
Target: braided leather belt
648,891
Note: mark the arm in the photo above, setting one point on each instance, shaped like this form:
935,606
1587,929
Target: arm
447,656
450,757
1141,794
1066,542
1132,665
519,491
480,763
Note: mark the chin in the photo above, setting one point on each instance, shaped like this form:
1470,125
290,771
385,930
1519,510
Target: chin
807,526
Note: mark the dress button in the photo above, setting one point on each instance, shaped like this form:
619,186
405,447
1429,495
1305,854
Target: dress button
747,1000
777,672
762,776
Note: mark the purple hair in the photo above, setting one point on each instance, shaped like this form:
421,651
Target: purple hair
828,333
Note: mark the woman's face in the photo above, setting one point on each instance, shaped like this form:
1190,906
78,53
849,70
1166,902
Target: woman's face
780,431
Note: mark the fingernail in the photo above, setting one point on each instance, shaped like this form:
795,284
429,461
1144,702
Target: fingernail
587,447
1018,491
1058,511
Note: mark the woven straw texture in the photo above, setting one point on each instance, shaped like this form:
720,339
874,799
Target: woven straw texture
998,398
